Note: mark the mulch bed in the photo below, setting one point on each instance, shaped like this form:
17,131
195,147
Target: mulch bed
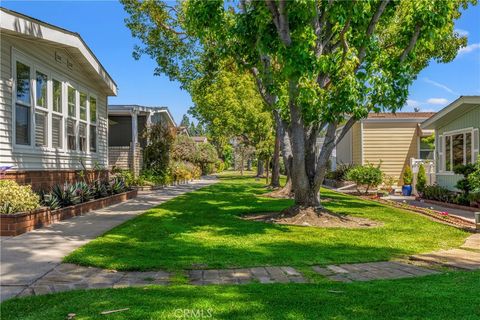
309,217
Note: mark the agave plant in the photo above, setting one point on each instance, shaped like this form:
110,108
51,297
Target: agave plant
100,189
83,190
51,201
117,185
66,194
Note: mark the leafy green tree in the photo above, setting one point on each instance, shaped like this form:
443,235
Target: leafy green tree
316,64
185,121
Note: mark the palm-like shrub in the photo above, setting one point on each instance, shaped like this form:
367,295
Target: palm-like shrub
66,194
84,191
15,198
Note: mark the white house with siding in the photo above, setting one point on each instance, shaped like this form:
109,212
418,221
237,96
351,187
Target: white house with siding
53,102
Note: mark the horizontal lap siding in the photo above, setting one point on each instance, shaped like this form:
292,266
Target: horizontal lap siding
391,143
356,144
32,159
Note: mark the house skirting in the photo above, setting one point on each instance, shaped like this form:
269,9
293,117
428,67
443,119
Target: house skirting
46,179
126,157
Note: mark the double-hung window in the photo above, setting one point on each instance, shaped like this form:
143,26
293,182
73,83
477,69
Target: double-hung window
41,109
22,104
57,114
93,123
71,121
82,127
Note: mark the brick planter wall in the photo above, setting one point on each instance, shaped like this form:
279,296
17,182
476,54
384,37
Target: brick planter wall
46,179
18,223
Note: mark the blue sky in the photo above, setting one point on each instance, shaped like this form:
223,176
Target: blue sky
101,24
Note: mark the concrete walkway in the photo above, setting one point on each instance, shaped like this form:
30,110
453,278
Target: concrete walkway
28,257
464,214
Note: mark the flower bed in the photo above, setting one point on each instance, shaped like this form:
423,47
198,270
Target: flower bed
21,222
442,217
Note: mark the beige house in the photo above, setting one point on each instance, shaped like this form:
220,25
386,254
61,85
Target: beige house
386,138
53,102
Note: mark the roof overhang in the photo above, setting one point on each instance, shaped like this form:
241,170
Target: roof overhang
125,110
454,110
20,25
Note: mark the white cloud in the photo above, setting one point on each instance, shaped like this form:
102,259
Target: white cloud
413,103
462,32
439,101
469,48
442,86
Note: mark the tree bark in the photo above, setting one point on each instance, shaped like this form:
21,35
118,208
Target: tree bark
267,165
249,164
286,151
275,183
260,168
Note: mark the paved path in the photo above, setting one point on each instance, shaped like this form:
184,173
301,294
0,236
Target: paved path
464,214
28,257
246,275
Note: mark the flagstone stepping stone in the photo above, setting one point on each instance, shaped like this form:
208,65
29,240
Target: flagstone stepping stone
472,242
372,271
456,258
246,275
67,276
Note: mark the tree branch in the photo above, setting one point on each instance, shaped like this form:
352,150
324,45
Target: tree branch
412,42
280,20
371,28
348,125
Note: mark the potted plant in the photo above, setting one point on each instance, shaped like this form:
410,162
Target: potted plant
407,182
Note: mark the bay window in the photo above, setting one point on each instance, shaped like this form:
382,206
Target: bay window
459,148
49,112
22,104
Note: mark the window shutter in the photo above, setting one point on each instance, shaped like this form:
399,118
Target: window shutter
476,144
40,128
440,153
57,132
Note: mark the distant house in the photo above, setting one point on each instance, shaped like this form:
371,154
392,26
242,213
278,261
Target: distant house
391,139
53,98
200,139
457,139
126,125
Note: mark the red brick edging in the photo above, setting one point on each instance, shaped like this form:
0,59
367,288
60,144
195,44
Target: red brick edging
18,223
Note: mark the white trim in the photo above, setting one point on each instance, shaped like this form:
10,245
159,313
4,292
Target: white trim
450,135
28,27
430,123
361,142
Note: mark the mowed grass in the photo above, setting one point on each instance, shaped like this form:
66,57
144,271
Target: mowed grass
446,296
202,229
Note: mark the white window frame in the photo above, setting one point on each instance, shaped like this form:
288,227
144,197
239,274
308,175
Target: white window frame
90,123
449,135
18,57
41,109
35,66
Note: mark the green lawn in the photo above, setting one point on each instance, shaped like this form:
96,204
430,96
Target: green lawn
446,296
202,229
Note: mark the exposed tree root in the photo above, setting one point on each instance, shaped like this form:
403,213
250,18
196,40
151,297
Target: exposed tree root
309,216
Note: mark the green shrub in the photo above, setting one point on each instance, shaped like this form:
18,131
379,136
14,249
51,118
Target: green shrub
15,198
464,184
421,178
369,176
474,178
407,176
340,173
66,194
439,193
220,166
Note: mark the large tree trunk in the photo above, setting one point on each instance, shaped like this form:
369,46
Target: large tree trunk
275,183
260,168
286,151
249,164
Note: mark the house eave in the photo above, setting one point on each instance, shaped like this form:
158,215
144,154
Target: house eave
20,25
462,102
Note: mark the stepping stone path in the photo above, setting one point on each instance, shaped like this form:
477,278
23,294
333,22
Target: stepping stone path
372,271
456,258
70,277
246,275
472,242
